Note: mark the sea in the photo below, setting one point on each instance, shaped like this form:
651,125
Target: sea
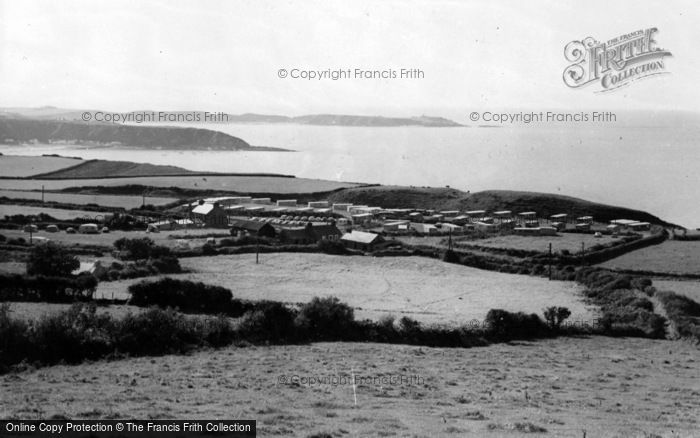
651,168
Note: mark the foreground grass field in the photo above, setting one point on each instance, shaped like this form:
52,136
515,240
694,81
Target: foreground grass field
20,166
671,256
123,201
567,387
428,290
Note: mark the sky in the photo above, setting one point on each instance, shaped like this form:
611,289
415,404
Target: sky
226,55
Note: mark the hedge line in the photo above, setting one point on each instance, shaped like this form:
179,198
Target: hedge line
16,287
80,333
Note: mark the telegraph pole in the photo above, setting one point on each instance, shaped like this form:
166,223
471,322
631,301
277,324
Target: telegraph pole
550,261
583,252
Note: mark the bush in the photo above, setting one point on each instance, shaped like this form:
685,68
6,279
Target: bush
140,248
72,336
157,332
14,339
271,322
326,319
505,325
450,257
2,238
51,259
555,316
185,295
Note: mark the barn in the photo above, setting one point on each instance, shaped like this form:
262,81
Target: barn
212,215
361,240
253,228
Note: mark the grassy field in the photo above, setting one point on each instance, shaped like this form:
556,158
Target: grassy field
690,289
566,387
124,201
239,184
20,166
563,241
671,256
108,239
58,213
428,290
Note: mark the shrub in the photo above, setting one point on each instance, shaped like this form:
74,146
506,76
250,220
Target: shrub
156,332
505,325
72,336
2,238
14,340
186,295
271,322
52,260
555,316
450,256
140,248
326,319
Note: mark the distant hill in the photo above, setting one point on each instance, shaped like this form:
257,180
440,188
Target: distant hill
113,169
17,131
544,204
53,113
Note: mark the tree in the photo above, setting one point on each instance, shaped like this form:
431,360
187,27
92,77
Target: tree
51,259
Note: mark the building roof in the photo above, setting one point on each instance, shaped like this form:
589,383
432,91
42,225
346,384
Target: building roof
249,225
203,209
473,212
528,213
361,237
502,213
559,216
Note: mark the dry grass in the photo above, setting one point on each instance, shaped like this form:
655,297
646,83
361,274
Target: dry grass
239,184
671,256
603,386
20,166
690,289
122,201
428,290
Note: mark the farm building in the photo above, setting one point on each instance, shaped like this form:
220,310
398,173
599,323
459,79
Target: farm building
172,224
212,215
503,214
231,209
255,209
51,229
361,240
287,203
310,234
585,219
253,228
583,226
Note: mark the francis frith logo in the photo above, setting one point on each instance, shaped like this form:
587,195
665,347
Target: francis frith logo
614,63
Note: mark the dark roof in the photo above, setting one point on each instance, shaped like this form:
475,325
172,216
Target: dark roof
310,232
243,224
